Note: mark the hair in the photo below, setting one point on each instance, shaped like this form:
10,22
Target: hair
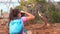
13,14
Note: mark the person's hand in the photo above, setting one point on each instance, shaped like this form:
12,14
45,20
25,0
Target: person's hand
22,12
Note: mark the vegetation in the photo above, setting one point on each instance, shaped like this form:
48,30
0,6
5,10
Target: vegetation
48,9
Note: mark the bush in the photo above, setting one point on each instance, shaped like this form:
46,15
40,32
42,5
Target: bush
54,16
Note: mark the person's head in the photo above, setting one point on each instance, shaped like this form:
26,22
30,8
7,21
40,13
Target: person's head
14,13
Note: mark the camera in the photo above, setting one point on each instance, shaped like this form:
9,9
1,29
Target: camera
22,14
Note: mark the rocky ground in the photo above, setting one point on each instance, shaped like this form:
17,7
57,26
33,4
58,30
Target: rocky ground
36,29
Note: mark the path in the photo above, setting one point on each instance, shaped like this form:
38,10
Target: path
51,30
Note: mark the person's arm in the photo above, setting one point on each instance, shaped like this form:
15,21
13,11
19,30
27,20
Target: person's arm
28,17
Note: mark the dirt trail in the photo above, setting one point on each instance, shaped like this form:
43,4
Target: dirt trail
51,30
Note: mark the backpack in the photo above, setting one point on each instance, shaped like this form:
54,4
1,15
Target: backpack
16,26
